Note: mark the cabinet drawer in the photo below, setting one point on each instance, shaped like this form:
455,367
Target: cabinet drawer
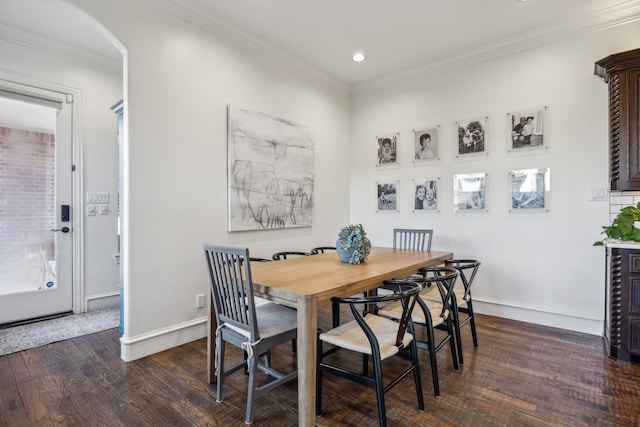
634,296
634,329
634,263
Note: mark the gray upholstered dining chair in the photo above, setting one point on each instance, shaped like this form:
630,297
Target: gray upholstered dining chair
409,238
372,336
254,329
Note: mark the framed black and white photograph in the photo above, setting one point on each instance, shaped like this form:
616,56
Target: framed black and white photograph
387,196
529,190
469,192
425,195
525,130
426,145
387,149
472,137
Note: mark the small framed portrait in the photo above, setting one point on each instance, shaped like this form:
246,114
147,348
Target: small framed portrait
525,131
529,190
387,149
469,192
387,196
472,137
426,145
425,195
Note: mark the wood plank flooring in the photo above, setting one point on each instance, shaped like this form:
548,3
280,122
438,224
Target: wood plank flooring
521,375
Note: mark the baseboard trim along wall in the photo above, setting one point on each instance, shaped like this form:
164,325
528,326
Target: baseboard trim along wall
98,302
132,348
572,321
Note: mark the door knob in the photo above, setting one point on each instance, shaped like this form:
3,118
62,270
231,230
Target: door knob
63,229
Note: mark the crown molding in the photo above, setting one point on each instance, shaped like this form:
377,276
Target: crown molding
185,10
48,45
596,21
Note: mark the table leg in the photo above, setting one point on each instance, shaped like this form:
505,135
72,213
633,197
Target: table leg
307,325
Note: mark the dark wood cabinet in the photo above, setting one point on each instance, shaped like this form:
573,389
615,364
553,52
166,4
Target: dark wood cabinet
622,319
622,73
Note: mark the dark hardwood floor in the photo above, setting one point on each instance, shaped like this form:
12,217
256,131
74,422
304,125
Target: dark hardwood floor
521,375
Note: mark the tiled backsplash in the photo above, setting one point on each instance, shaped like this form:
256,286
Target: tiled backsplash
620,199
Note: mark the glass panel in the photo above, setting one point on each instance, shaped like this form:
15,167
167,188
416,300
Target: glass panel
27,197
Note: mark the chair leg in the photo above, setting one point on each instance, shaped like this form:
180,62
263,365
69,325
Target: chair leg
382,414
220,376
253,370
456,324
416,374
452,345
318,374
472,321
335,314
432,359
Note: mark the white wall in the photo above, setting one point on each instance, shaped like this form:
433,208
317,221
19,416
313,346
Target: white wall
537,267
99,89
179,82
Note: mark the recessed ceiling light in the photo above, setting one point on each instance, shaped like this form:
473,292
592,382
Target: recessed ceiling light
358,57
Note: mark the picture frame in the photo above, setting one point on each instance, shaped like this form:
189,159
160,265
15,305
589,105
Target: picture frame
526,131
427,147
387,147
425,195
529,190
387,196
469,192
472,137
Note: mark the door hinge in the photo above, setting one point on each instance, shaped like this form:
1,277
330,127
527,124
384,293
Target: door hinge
73,168
69,98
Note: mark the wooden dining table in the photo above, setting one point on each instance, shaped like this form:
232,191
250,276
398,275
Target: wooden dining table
306,283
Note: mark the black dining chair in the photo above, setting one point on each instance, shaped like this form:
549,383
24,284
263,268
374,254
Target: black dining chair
288,254
254,329
462,301
321,249
372,336
432,315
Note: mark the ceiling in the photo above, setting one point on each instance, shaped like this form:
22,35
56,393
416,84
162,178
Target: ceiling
399,37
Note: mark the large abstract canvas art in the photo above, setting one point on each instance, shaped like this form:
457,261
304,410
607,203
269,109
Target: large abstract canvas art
270,171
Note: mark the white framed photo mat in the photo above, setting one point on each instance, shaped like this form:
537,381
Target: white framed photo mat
529,190
472,137
387,150
387,196
470,192
426,148
425,195
526,131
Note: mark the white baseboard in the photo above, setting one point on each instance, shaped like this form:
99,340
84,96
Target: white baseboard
98,302
578,322
132,348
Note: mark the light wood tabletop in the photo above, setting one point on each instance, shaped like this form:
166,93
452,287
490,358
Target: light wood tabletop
306,283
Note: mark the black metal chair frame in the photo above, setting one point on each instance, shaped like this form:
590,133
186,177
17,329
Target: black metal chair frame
256,330
411,238
284,254
444,279
407,293
322,249
462,265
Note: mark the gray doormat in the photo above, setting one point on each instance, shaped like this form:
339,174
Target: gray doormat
36,334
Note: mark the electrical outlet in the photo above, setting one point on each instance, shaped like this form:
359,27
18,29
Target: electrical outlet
200,301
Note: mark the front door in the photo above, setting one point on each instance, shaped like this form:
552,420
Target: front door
36,212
